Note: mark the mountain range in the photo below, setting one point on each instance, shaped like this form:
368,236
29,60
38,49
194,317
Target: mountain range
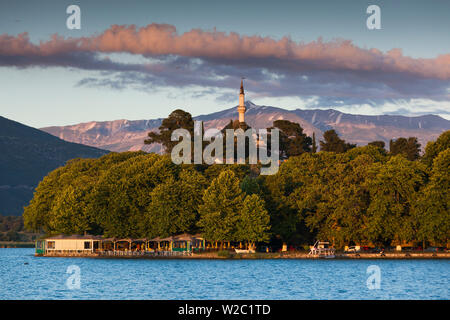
27,155
124,135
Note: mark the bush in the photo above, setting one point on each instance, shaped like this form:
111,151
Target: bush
224,253
13,236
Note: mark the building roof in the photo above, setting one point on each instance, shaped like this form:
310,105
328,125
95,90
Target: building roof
171,238
109,239
184,237
74,237
180,237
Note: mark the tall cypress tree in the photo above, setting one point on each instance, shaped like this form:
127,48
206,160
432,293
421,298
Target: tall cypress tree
314,144
410,148
333,143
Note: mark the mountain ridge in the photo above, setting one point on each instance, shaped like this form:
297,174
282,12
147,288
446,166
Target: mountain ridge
124,135
28,154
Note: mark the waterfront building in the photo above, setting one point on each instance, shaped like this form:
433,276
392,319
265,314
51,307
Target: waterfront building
62,245
86,244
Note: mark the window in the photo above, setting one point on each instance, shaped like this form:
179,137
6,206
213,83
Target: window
87,245
50,244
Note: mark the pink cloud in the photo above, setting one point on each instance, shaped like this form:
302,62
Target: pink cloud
162,39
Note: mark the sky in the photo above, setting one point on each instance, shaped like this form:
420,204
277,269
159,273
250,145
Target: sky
143,59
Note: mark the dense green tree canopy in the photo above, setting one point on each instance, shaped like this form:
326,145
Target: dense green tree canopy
393,187
362,195
431,210
253,223
222,201
378,143
433,148
174,205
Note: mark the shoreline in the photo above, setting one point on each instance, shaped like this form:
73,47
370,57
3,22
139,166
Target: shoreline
270,256
16,244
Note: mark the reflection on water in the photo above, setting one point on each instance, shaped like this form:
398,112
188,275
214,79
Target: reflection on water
24,276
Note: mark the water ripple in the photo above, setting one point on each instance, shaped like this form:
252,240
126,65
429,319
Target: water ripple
45,278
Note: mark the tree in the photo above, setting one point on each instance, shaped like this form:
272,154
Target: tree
378,143
71,213
433,148
176,120
124,194
39,215
410,148
8,223
57,195
251,185
361,195
314,144
253,222
331,198
293,141
240,170
347,199
36,214
333,143
222,201
281,192
375,153
12,235
431,210
393,188
174,205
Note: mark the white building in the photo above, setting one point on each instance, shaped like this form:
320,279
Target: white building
68,244
241,108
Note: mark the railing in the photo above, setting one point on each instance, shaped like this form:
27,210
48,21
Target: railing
322,251
145,253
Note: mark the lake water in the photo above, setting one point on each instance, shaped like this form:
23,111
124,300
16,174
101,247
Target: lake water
23,276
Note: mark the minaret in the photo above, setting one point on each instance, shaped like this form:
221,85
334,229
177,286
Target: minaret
241,107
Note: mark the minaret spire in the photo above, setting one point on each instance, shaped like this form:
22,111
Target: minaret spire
241,107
